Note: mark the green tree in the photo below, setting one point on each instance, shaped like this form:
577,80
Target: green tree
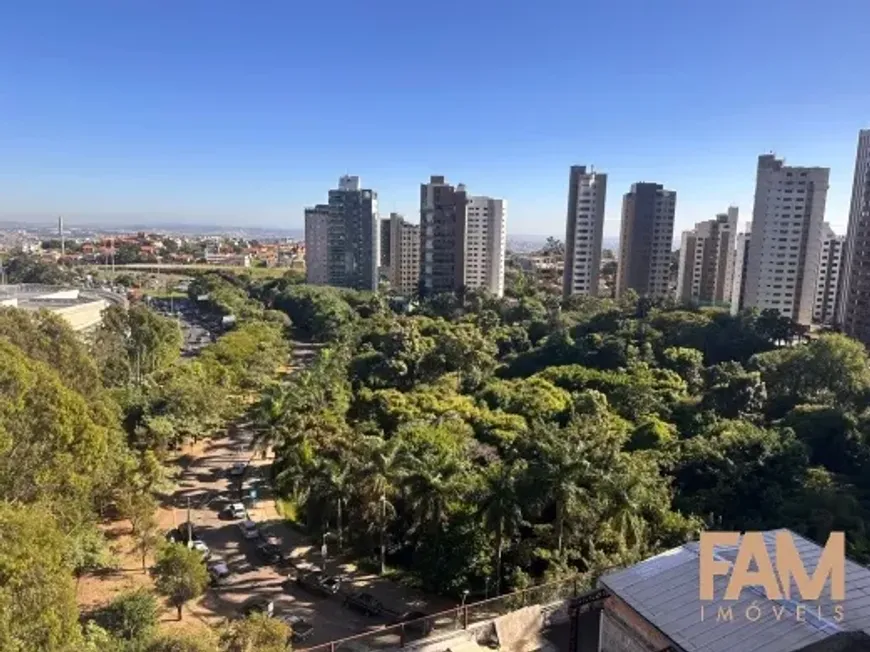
256,633
180,575
183,642
37,597
131,616
500,507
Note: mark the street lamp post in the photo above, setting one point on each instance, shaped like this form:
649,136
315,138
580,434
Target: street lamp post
383,534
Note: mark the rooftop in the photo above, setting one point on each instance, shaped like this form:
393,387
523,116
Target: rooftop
665,591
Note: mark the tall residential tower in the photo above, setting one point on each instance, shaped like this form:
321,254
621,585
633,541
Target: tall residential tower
404,255
853,310
485,238
351,245
584,226
785,246
645,240
443,213
705,273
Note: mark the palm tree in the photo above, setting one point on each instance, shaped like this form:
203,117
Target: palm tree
378,478
334,484
566,477
500,507
431,486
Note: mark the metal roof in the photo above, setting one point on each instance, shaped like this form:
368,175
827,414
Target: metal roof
665,591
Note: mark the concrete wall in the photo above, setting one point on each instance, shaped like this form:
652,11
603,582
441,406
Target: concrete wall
623,630
83,316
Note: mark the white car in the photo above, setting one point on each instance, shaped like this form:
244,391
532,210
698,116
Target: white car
234,510
249,529
200,547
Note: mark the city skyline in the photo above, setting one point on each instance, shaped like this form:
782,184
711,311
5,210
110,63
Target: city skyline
211,114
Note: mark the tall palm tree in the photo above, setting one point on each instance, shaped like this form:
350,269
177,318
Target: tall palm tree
567,478
334,485
500,507
381,471
431,486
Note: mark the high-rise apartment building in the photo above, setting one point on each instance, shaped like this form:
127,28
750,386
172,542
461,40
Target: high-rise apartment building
385,234
827,282
645,240
317,220
485,239
584,226
705,270
404,255
443,210
785,246
853,310
738,281
352,247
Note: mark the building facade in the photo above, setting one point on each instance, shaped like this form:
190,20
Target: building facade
584,227
827,283
316,244
443,211
404,256
485,240
352,243
785,246
705,273
853,310
645,240
738,281
385,234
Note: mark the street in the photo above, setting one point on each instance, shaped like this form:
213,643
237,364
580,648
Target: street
204,483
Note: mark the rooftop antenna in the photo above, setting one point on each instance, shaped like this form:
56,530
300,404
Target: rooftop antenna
60,233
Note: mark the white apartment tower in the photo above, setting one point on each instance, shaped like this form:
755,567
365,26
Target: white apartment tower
827,283
404,239
853,306
705,272
645,240
485,238
584,226
738,282
786,242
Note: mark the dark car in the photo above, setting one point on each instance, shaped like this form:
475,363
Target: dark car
258,606
319,583
415,621
365,603
218,572
301,628
271,554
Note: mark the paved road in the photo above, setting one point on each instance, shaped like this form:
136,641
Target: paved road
195,327
206,484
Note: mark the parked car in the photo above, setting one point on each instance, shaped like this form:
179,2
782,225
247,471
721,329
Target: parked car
200,547
258,605
317,582
415,621
365,603
270,553
301,628
181,534
238,469
218,571
249,529
233,511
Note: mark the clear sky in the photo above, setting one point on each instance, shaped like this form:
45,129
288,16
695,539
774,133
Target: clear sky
243,112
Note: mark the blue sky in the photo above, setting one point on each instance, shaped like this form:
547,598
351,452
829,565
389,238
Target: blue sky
242,113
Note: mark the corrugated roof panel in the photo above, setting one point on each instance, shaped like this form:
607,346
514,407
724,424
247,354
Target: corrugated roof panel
665,590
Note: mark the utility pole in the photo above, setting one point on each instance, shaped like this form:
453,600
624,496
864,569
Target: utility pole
189,524
60,233
383,534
